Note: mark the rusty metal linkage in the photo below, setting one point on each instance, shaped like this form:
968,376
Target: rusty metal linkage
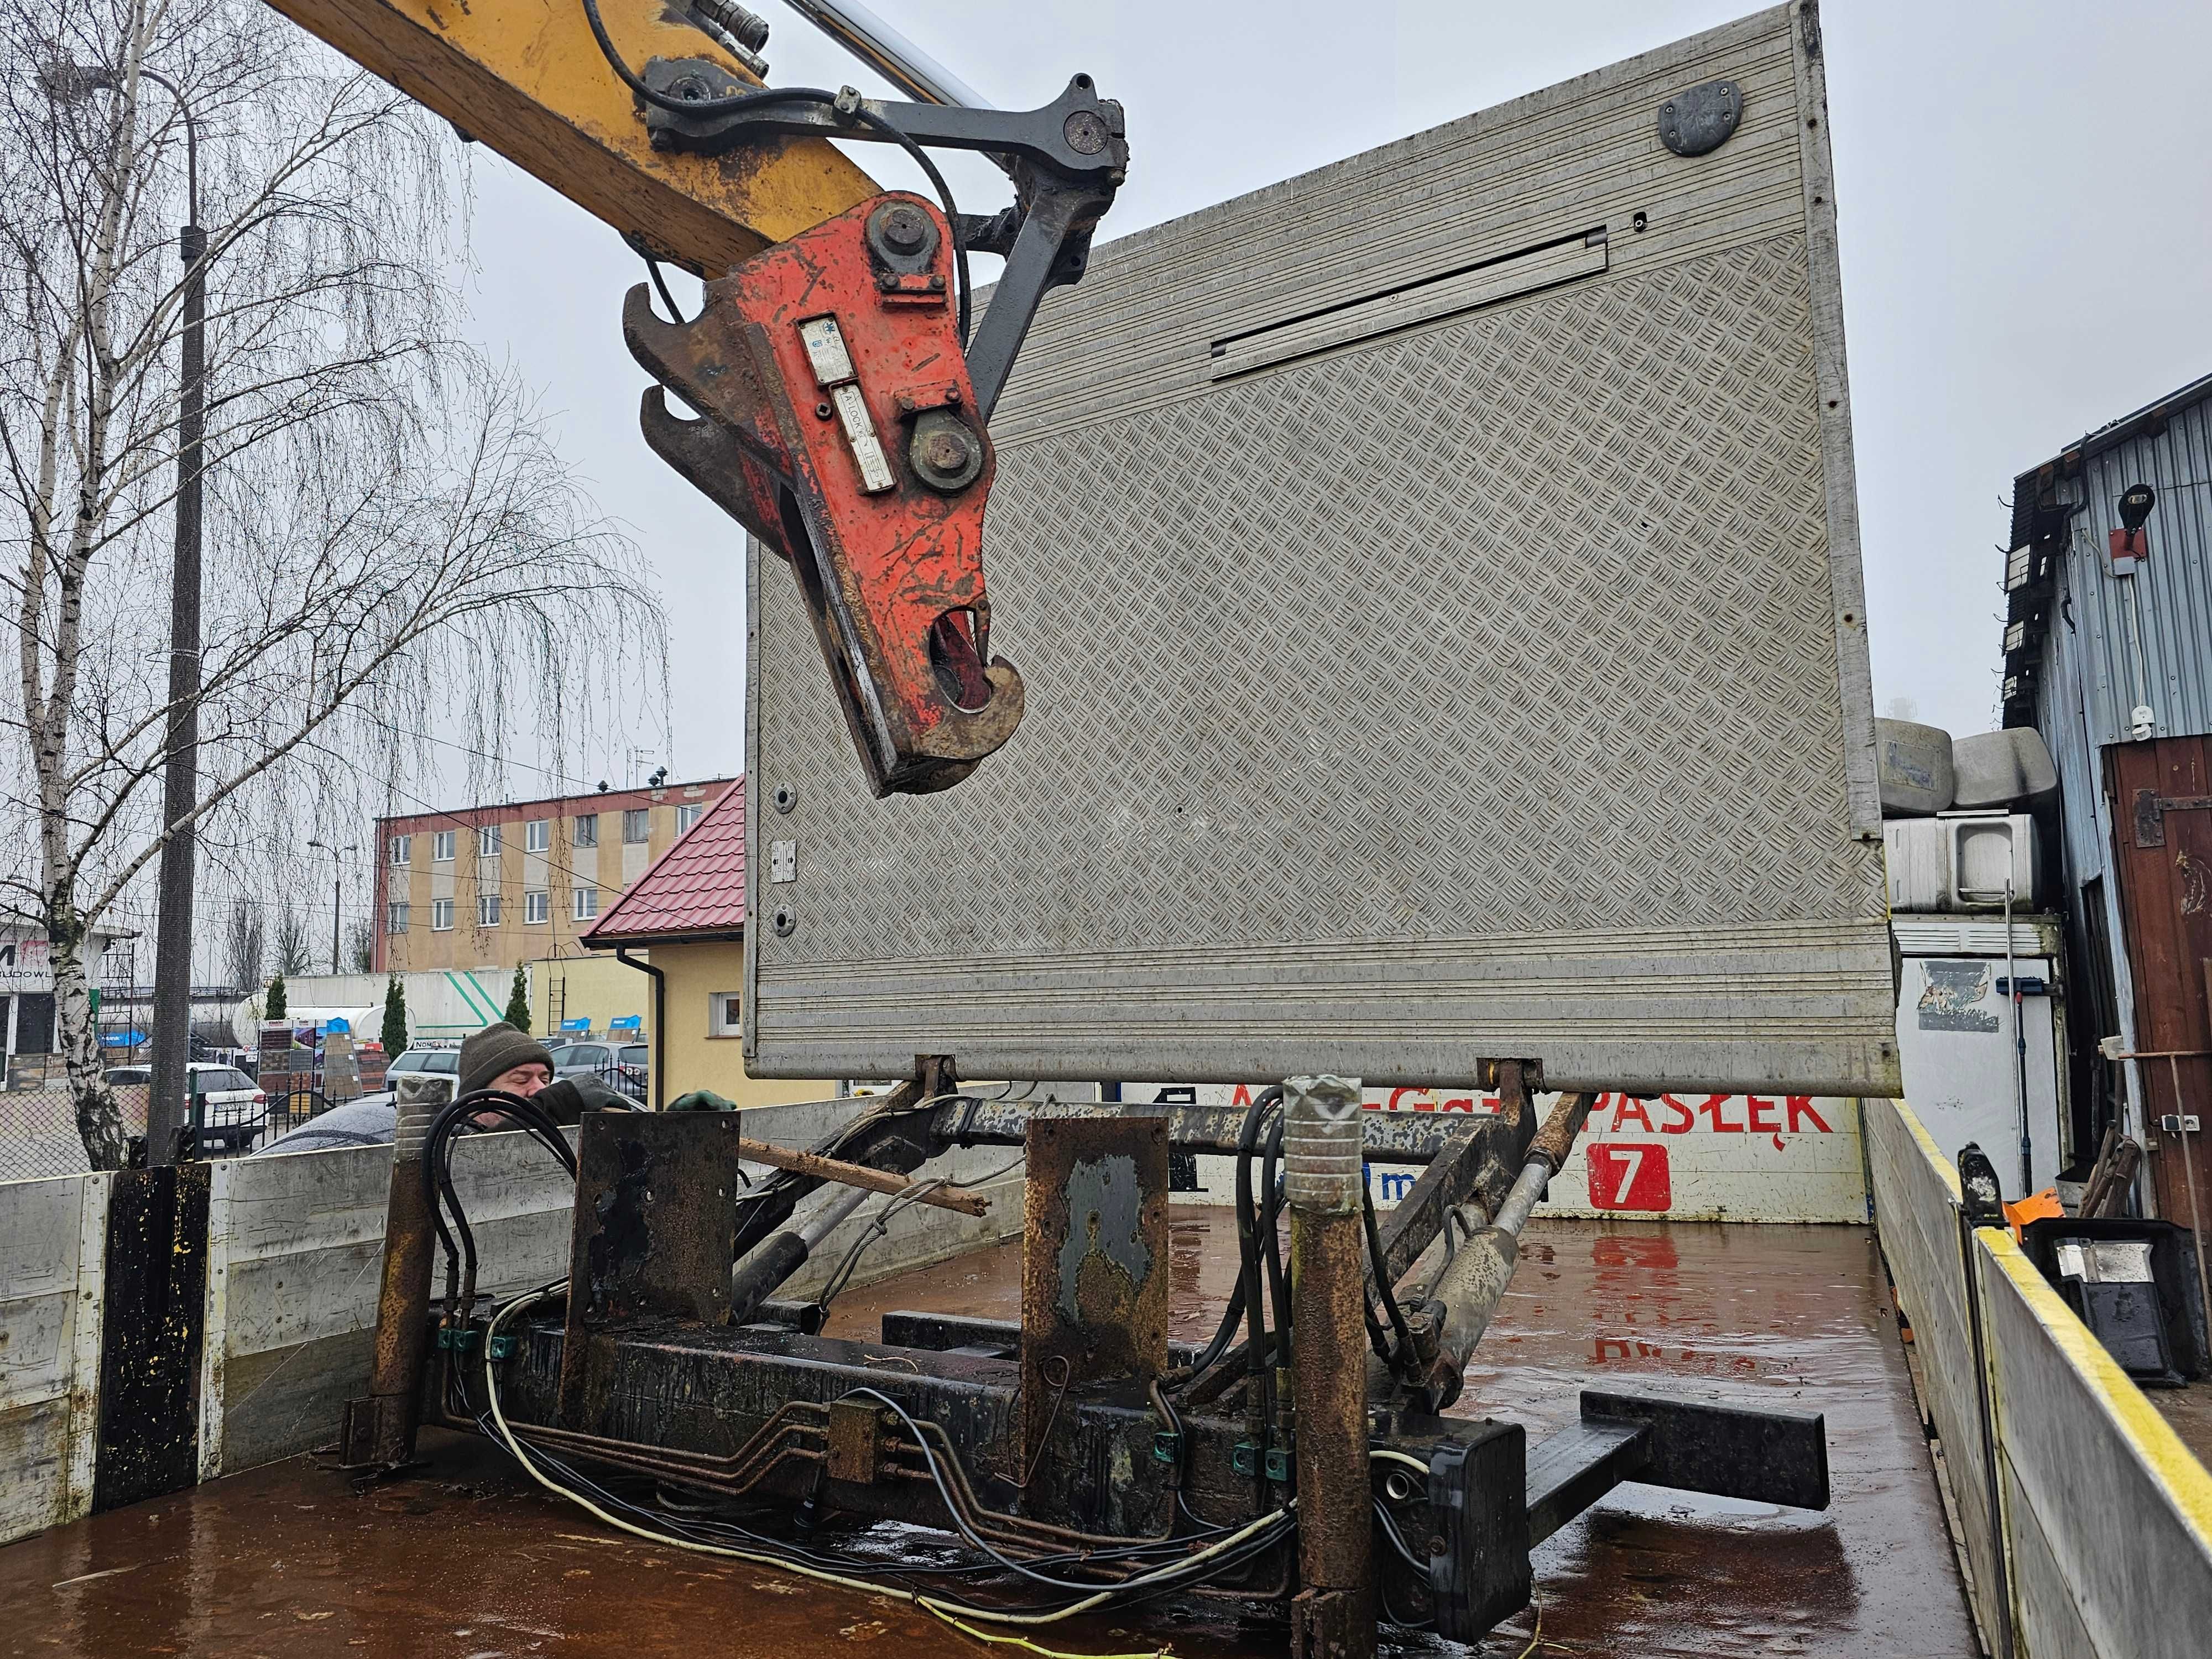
1326,1181
1473,1283
858,1175
1080,1436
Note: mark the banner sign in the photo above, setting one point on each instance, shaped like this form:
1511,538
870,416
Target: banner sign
1674,1157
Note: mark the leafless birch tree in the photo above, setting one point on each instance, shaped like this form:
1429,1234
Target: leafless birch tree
391,545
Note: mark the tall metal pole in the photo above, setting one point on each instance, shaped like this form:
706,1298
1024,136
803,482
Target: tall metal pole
338,886
172,951
1333,1617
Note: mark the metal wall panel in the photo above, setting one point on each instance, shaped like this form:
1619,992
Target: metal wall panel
2118,640
1495,686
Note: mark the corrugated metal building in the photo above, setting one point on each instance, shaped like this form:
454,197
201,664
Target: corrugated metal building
2108,653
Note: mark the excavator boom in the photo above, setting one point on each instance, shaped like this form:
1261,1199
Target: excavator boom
524,77
842,395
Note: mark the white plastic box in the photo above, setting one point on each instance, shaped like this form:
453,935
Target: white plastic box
1962,861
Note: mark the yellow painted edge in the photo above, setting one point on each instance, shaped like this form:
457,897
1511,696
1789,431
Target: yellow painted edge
1934,1153
2186,1482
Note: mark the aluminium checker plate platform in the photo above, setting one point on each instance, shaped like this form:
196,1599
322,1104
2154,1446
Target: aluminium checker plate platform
1438,578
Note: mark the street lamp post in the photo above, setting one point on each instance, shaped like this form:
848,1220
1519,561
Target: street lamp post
338,878
172,949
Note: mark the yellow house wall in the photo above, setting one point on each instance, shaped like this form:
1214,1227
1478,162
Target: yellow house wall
697,973
594,988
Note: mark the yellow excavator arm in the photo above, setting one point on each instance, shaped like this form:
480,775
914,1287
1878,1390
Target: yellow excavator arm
525,78
842,397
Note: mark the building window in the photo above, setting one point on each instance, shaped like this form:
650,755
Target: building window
536,906
441,847
395,918
488,910
441,915
686,817
587,829
637,824
488,842
402,847
722,1012
538,834
587,902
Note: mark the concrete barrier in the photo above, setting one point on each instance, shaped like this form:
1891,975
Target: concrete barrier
52,1245
291,1247
2085,1522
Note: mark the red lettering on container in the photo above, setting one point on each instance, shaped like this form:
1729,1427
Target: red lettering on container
1802,1106
1629,1107
1762,1125
1713,1107
1671,1127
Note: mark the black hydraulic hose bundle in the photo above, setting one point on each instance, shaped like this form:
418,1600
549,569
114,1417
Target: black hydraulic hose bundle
1402,1354
438,1179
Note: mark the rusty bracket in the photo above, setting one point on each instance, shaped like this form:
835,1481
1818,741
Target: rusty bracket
856,1431
1468,1169
2151,809
654,1229
1094,1260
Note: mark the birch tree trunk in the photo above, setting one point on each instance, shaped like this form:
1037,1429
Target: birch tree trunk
392,545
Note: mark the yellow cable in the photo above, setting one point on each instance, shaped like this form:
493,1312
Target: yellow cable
971,1632
1536,1635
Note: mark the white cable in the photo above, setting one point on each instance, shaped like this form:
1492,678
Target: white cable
1382,1454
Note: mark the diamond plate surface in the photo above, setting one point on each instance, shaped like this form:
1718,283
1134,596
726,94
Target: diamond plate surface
1469,690
1323,657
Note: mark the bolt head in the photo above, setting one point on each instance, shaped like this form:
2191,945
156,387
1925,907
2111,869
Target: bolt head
943,452
823,411
1084,131
903,228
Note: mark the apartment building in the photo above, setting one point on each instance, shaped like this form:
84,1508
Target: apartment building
521,881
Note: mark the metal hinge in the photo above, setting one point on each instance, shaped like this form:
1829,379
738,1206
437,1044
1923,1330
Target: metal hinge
2151,809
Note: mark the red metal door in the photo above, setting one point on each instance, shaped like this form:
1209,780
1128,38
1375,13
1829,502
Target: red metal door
2162,831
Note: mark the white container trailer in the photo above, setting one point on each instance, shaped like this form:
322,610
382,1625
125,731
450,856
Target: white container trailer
1961,1047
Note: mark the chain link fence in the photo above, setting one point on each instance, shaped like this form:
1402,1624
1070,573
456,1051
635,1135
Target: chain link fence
38,1128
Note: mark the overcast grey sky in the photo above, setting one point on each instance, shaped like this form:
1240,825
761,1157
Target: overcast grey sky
2026,219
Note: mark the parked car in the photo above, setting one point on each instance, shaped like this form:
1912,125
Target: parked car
426,1062
619,1065
369,1121
596,1057
234,1109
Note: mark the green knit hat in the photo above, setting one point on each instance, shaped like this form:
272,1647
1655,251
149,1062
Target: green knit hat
496,1050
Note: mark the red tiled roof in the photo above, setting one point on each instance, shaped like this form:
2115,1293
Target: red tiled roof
697,887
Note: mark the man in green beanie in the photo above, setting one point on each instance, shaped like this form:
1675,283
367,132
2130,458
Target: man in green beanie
499,1057
515,1063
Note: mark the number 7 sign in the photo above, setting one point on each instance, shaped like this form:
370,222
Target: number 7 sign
1628,1175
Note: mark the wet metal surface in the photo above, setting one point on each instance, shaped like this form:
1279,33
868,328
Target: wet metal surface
2189,1411
466,1560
